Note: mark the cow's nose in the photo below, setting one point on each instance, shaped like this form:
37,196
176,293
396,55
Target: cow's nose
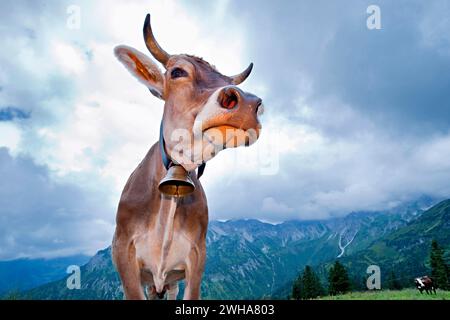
232,97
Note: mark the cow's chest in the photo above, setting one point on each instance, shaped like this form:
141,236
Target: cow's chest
150,254
163,247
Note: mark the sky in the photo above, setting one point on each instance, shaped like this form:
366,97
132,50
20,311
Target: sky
355,119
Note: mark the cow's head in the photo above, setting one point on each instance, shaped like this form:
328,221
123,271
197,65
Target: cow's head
419,283
204,110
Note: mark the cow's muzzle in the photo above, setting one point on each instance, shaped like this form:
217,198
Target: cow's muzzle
232,97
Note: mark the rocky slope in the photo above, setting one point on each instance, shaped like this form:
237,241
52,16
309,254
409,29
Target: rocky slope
251,259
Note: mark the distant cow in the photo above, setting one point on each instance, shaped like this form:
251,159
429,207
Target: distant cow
425,283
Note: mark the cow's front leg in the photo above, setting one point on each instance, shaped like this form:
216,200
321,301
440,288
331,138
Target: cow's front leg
194,271
124,256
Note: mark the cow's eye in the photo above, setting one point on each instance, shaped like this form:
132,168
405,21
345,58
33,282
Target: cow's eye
178,73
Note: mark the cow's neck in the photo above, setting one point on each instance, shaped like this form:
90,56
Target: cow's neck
165,207
166,160
165,231
162,204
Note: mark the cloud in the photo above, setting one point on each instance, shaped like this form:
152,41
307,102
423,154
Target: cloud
327,176
368,104
355,119
41,217
396,76
90,123
9,135
271,205
69,59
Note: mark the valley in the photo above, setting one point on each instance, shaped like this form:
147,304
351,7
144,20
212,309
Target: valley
250,259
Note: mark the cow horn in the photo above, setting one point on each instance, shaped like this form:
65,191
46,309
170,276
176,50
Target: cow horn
152,45
239,78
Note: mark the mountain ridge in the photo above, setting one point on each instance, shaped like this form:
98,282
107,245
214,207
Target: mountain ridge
266,257
404,251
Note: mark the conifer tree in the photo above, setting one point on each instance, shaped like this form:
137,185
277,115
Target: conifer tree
392,282
338,280
311,284
439,270
297,288
307,285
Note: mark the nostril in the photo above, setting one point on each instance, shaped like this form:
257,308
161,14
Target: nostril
258,104
228,98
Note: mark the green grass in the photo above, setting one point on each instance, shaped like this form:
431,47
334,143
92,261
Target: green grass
406,294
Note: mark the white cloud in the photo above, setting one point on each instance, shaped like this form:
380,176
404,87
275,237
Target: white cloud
68,58
271,205
9,135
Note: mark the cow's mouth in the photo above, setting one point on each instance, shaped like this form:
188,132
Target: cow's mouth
230,136
218,134
223,128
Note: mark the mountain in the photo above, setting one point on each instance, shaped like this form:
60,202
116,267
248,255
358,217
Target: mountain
21,274
404,251
252,259
99,281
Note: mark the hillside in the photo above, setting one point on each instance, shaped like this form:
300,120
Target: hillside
406,250
264,257
21,274
99,281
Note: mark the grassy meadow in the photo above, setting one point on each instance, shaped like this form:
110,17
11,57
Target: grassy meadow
405,294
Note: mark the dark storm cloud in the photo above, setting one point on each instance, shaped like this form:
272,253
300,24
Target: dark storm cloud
379,99
397,76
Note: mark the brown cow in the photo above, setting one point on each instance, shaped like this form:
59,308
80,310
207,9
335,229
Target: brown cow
159,239
425,283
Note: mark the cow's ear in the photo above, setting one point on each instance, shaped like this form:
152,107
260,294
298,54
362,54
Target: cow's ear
143,68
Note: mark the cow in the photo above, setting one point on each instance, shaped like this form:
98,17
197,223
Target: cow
161,239
425,283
